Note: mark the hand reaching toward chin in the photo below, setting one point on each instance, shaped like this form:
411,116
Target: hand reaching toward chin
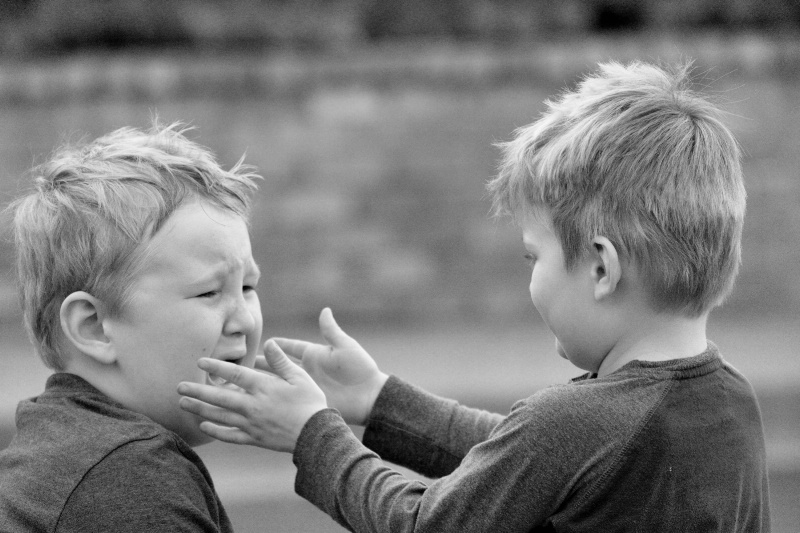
270,410
349,377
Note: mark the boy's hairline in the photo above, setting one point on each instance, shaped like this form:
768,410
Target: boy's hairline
143,251
237,199
512,197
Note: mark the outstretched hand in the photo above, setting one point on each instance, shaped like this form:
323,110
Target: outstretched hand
344,371
269,411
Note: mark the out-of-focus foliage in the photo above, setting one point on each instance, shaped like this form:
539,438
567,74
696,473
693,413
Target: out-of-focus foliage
36,27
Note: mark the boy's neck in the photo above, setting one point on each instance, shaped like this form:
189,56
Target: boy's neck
657,337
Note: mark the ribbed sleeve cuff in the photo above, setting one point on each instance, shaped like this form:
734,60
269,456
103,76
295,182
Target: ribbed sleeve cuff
325,448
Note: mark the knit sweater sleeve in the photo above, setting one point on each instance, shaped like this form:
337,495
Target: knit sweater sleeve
144,485
510,482
657,446
418,430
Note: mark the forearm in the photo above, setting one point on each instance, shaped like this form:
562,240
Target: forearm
423,432
338,474
492,486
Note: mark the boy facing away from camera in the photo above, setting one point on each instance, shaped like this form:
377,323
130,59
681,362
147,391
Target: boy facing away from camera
134,260
629,194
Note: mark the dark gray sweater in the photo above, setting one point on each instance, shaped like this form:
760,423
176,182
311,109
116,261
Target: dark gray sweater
672,446
81,462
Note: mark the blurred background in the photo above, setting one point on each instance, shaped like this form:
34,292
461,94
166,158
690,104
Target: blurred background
373,123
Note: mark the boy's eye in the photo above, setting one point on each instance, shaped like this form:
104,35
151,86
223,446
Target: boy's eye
530,259
209,294
248,288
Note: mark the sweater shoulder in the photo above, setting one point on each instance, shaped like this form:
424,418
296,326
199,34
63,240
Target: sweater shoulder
147,485
613,404
62,438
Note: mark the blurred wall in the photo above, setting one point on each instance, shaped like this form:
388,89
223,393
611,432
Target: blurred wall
35,27
375,159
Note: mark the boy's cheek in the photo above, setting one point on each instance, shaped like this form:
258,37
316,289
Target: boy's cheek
250,360
253,343
254,339
560,350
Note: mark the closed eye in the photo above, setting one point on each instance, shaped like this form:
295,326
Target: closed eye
209,294
530,259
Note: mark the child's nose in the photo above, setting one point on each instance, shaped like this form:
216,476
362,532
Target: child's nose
240,318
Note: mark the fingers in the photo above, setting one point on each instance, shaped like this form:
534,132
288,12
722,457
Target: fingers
331,330
296,348
202,399
238,375
261,363
226,434
262,366
278,362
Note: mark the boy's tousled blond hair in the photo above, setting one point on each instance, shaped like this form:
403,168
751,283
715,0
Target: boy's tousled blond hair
635,155
92,207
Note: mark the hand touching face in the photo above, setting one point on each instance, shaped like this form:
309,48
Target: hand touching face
273,405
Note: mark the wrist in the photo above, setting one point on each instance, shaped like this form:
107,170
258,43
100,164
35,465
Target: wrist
375,391
296,430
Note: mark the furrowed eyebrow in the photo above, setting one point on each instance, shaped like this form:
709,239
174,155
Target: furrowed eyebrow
220,272
207,279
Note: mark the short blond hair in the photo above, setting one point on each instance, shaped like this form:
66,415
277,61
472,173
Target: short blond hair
635,155
93,205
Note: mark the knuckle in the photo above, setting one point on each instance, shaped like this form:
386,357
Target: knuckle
236,374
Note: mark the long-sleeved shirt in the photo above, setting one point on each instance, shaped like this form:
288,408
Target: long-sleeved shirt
82,462
656,446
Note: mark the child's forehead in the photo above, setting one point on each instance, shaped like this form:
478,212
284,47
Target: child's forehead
199,218
536,226
201,233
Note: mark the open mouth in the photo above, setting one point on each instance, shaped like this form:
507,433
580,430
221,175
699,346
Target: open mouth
217,381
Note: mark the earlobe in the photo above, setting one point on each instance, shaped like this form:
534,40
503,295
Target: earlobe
607,270
82,324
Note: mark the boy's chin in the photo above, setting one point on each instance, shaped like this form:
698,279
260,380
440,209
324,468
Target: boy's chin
197,438
190,432
205,440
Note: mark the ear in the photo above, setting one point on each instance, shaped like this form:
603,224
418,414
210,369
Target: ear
82,323
606,268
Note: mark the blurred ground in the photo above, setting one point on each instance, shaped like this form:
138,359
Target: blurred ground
487,364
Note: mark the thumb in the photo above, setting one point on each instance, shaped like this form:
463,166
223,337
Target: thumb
333,334
279,364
